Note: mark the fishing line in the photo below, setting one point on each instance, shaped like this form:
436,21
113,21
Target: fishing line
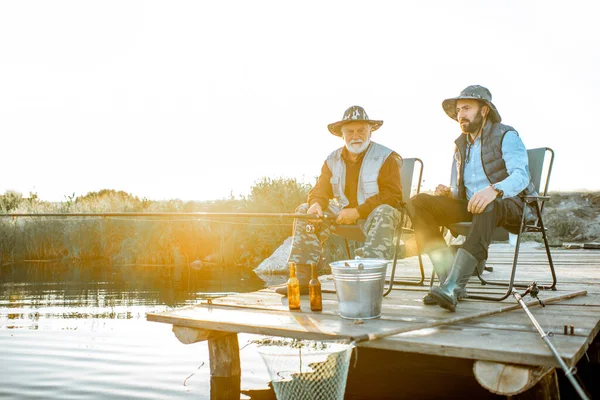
545,316
198,220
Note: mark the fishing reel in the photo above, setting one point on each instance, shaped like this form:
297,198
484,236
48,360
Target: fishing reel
533,290
312,227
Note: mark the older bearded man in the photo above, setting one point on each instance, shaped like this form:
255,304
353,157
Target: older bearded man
493,175
360,183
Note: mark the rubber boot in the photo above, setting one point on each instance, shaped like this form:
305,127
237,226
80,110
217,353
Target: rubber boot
462,269
442,260
303,275
428,300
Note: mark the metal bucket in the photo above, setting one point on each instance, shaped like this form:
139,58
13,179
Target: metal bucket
359,287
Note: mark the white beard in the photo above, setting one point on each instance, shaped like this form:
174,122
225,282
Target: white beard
357,150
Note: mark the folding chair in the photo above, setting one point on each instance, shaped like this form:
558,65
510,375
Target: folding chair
353,232
536,169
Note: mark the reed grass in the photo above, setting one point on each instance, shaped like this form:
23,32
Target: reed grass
147,240
241,242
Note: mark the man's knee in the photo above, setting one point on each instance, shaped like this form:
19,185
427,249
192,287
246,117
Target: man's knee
420,200
417,203
490,207
302,208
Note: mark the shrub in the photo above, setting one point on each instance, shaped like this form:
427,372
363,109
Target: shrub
10,201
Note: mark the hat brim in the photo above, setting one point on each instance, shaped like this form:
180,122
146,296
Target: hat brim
449,106
336,127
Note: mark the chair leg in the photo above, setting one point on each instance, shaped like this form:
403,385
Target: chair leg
421,268
512,273
348,249
396,252
512,283
539,213
481,280
432,275
407,283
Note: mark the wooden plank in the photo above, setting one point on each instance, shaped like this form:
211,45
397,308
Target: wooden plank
583,325
554,321
506,338
553,318
526,348
473,286
324,326
405,304
410,309
301,325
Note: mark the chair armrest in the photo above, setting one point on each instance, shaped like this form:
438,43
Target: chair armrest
403,209
532,198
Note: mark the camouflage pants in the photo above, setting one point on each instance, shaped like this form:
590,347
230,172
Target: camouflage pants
378,228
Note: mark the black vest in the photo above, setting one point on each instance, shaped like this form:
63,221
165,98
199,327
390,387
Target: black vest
491,157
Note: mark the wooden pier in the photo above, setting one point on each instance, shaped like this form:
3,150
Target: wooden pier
505,353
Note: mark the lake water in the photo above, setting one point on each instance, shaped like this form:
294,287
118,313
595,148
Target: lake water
70,331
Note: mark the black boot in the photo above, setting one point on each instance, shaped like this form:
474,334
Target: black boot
447,294
303,275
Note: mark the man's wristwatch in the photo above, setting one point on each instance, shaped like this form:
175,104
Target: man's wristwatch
499,192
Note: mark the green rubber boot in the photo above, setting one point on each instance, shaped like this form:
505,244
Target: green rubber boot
446,295
442,260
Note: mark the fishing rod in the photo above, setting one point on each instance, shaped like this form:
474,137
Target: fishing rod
533,292
569,372
460,319
200,214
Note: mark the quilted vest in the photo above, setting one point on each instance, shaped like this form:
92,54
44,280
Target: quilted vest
491,157
369,172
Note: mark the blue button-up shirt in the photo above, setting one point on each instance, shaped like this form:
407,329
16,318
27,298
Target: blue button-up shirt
515,157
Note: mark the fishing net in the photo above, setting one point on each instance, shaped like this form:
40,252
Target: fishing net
306,369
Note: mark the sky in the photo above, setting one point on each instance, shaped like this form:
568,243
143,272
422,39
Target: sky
197,100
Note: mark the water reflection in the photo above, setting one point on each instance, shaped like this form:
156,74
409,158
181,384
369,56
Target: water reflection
80,330
32,292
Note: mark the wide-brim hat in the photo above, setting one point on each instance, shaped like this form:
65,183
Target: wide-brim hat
473,92
352,114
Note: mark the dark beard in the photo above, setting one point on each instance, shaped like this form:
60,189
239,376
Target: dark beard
475,125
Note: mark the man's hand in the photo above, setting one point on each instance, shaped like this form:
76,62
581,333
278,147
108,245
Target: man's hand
347,216
481,199
442,190
315,209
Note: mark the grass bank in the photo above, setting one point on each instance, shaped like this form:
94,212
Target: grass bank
149,240
569,217
572,217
